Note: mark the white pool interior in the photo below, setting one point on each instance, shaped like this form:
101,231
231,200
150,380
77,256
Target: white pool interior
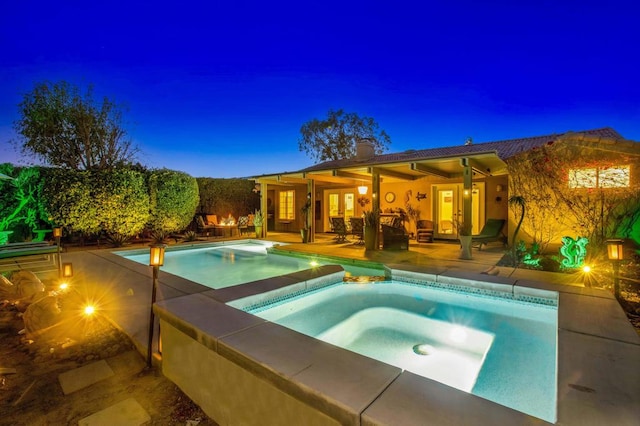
493,347
225,265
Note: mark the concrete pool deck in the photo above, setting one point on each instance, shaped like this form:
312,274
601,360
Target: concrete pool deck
598,349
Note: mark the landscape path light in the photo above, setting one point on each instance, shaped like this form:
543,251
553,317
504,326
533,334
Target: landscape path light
615,252
156,260
57,234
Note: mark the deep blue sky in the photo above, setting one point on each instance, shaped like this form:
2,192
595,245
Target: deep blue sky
221,89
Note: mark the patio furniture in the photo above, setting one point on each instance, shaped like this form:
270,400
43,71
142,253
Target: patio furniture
243,225
210,224
424,231
394,238
491,231
340,228
357,229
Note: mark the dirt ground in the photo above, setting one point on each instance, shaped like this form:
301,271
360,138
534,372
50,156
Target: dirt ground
33,395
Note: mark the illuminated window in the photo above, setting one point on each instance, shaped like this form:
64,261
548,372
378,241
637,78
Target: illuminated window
287,203
612,177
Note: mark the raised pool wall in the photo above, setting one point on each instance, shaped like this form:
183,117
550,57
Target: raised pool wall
244,370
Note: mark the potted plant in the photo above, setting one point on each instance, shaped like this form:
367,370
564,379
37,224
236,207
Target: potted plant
304,232
258,220
371,226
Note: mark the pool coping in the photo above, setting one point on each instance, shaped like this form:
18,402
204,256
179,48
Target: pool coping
597,378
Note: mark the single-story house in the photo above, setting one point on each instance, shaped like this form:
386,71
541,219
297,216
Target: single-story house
471,182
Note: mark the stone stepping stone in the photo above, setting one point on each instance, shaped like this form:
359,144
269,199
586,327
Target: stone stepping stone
84,376
124,413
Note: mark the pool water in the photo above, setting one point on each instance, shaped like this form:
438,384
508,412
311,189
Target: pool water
499,349
225,265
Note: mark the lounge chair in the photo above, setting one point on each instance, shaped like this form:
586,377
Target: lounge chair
208,225
340,229
424,231
357,228
491,231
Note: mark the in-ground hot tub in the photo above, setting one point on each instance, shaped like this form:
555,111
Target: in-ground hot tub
242,369
483,342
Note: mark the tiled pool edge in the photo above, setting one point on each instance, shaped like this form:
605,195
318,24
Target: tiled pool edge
243,349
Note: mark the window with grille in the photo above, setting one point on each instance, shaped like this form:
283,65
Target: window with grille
611,177
287,204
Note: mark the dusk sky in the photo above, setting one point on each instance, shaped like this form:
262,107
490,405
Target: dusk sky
221,89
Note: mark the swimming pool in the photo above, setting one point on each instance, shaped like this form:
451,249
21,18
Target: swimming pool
221,265
493,347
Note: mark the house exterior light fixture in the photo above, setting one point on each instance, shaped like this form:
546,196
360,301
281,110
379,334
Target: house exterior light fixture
156,260
615,252
362,190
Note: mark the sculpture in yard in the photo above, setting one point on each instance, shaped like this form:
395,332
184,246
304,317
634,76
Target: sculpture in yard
574,251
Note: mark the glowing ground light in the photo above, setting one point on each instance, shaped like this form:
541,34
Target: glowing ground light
586,269
89,310
458,334
64,286
423,349
313,263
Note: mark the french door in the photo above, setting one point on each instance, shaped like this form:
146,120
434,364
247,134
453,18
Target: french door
447,209
342,204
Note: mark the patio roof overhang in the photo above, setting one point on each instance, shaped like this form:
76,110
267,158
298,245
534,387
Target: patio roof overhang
357,173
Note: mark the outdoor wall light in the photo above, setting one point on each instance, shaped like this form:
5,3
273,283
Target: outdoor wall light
615,252
499,188
362,190
421,196
156,260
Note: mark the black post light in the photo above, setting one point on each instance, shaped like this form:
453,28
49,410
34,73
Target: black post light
57,234
156,260
615,252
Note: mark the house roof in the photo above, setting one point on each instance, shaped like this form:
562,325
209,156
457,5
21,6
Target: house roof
485,158
504,149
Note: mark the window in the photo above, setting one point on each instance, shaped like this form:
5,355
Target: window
612,177
287,203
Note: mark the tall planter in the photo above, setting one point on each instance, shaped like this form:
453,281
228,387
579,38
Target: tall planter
370,238
465,247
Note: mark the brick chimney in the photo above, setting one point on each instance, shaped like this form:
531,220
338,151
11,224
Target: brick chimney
364,149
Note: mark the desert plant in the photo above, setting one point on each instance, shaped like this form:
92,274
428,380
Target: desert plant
158,237
117,239
372,218
190,236
258,218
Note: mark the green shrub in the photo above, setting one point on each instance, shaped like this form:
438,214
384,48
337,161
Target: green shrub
227,196
122,201
549,264
173,199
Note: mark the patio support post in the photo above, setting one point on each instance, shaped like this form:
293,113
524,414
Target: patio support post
375,195
467,184
263,207
311,189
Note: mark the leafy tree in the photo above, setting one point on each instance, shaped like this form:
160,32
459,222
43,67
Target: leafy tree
173,200
335,137
64,128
